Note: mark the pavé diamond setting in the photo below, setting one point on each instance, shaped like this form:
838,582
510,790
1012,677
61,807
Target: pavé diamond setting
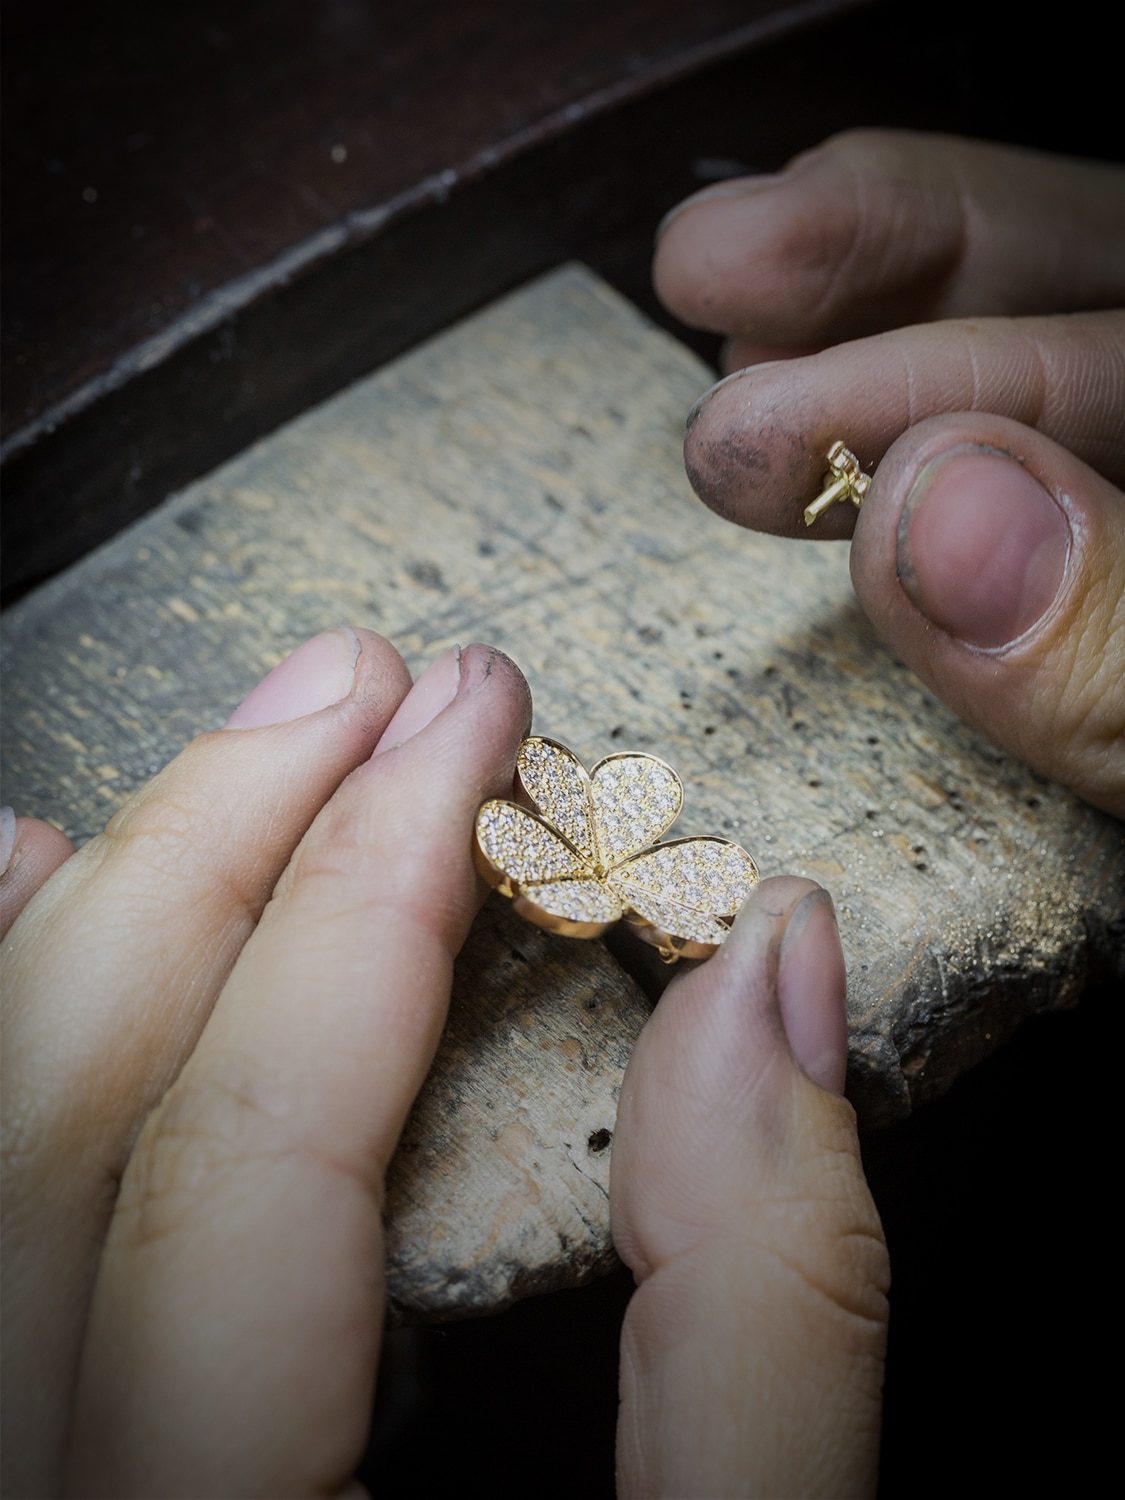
580,852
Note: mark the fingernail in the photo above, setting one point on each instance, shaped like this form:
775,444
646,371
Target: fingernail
982,546
812,991
316,675
7,837
434,690
739,187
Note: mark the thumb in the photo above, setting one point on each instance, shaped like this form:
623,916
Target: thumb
994,562
752,1350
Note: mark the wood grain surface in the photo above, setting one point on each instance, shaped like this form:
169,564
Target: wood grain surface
519,480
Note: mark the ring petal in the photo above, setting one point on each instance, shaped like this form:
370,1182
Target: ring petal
576,901
556,781
637,797
693,882
518,845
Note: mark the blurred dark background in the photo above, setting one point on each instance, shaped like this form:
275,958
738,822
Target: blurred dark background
218,213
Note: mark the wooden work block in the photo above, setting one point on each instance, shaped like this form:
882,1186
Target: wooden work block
519,481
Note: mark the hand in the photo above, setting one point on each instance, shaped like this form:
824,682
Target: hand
991,546
217,1015
752,1351
216,1018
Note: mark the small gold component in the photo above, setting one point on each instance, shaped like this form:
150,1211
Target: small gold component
845,480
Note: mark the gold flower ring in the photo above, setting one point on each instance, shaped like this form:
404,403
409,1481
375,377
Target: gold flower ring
579,852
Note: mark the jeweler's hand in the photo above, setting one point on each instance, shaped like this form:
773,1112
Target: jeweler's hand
216,1018
752,1353
990,549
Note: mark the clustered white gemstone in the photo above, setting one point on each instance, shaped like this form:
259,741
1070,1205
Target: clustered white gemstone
687,885
679,921
557,783
516,842
577,900
636,798
610,817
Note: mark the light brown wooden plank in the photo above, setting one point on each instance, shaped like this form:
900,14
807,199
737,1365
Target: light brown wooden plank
519,480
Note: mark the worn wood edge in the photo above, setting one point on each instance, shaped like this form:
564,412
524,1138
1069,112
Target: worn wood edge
1044,960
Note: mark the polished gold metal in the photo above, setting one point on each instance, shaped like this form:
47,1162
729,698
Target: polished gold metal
845,480
579,852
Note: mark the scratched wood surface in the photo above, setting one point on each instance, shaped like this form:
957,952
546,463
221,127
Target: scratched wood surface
518,480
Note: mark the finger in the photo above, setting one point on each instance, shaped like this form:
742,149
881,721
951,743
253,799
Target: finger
994,562
111,972
236,1324
756,442
752,1349
30,853
874,229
